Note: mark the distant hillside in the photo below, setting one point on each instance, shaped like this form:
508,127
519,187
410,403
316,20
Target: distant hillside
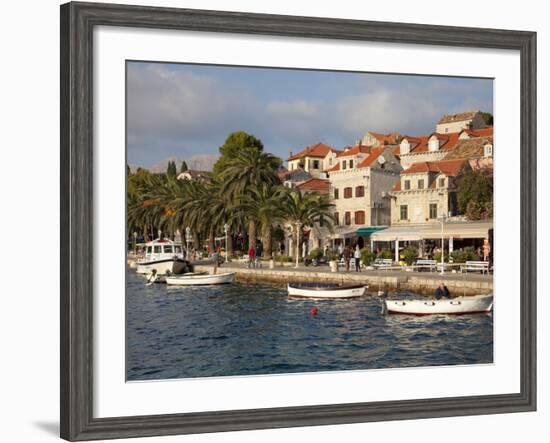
202,162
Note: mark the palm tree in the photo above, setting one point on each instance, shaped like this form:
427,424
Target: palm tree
263,204
306,209
224,208
144,209
248,170
191,209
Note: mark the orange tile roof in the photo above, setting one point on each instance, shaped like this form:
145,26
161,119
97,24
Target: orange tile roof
481,132
412,139
387,139
461,116
316,150
336,167
315,184
354,150
447,142
448,167
374,154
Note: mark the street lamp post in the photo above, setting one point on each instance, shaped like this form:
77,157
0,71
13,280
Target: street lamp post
187,237
298,226
225,229
442,220
135,242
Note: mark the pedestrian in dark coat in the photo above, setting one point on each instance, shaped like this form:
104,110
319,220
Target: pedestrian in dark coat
347,256
258,253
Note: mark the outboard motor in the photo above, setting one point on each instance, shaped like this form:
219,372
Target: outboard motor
181,267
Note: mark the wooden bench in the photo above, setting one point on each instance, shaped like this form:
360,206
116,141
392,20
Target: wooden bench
475,266
381,263
429,265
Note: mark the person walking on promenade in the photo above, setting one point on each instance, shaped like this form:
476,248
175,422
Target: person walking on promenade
251,254
258,254
340,251
357,256
442,291
347,256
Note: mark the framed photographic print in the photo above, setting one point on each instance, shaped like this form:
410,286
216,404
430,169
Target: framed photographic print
274,221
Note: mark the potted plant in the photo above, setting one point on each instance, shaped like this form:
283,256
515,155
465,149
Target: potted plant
332,257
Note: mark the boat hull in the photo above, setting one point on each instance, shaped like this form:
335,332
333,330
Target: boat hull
342,292
201,279
455,306
163,266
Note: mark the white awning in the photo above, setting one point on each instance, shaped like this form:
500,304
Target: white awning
343,232
397,233
427,231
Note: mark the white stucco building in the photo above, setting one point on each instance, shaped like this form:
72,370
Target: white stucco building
360,182
314,159
451,123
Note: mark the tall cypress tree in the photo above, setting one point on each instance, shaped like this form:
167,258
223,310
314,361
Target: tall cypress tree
183,167
171,171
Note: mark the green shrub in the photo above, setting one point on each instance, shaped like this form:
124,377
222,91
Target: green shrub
315,254
410,254
282,259
464,255
367,256
332,255
384,253
437,256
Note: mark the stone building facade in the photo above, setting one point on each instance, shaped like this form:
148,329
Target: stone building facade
360,183
426,191
451,123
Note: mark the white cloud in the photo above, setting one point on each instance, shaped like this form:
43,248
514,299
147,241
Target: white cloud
178,112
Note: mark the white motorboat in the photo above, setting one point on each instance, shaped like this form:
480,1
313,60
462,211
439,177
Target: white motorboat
164,256
457,306
193,279
325,291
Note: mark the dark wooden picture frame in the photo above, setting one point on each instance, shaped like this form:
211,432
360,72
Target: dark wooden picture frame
77,214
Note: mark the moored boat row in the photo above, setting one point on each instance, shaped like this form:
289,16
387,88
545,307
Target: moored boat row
452,306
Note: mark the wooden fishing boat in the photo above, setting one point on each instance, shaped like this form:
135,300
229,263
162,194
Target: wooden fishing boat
296,290
194,279
457,306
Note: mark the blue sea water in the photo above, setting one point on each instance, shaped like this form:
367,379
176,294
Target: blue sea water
244,329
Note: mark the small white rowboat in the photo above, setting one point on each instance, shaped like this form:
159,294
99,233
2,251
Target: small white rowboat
192,279
328,292
459,305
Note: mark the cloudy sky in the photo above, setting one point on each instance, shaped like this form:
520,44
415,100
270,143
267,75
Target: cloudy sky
183,110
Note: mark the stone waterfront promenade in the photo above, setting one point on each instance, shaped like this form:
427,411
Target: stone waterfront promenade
391,280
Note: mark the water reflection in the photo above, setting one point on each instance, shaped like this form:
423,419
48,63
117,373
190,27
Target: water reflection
244,329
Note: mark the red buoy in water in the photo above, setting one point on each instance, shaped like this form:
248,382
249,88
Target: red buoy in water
313,311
